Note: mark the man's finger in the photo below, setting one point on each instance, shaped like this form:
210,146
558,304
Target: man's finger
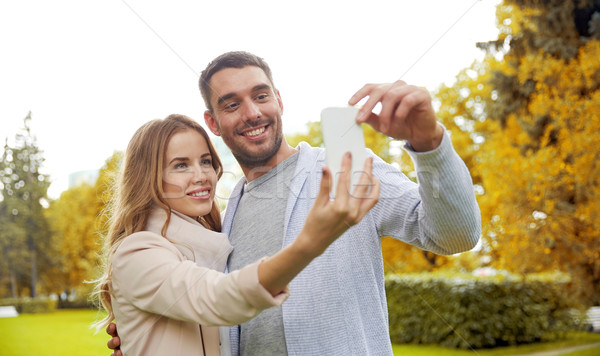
360,94
114,343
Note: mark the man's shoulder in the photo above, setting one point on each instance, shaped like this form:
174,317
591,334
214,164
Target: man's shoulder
310,153
307,147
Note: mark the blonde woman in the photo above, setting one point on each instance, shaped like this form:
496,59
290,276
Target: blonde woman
164,283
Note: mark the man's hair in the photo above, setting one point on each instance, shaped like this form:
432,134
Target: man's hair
235,59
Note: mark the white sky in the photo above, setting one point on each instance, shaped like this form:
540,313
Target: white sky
91,72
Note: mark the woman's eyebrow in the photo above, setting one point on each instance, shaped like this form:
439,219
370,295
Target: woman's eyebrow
181,159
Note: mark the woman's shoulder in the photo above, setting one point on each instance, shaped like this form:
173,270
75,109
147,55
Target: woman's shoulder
143,240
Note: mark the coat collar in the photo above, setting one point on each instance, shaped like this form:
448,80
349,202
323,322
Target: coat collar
205,247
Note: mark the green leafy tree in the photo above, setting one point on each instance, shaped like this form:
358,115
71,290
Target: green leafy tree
24,238
14,250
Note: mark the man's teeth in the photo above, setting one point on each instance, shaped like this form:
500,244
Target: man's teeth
200,194
255,132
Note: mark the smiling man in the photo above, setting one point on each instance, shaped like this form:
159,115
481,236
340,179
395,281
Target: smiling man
249,117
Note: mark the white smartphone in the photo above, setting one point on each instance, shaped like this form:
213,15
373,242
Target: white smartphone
341,134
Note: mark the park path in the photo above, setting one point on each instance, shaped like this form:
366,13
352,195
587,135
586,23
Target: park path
562,351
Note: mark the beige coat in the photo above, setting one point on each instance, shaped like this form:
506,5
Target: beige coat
163,290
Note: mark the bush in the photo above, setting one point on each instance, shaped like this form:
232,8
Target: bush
80,303
30,305
477,312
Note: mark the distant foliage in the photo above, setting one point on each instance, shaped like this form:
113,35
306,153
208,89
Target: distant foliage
31,305
78,221
526,120
25,249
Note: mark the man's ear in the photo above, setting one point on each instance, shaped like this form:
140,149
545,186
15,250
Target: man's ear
211,123
279,101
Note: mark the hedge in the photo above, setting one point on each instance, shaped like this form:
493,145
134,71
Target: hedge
478,312
30,305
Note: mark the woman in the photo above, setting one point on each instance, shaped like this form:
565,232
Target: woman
164,255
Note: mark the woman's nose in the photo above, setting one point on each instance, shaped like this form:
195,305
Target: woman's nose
200,175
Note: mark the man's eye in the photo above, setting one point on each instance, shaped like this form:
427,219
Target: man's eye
231,106
262,96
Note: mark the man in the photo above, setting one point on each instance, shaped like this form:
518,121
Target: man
337,305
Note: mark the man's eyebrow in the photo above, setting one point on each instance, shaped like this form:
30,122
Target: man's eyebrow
224,97
261,87
231,95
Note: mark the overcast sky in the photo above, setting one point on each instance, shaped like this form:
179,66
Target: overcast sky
91,72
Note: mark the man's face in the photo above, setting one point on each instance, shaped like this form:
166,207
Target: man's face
247,114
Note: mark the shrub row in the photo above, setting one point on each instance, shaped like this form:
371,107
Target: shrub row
30,305
477,312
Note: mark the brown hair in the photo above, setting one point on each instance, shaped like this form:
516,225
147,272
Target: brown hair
236,59
142,171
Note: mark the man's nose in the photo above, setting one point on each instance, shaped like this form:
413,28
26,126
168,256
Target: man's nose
251,111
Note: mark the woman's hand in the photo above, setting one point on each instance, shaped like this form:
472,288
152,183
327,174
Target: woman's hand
328,219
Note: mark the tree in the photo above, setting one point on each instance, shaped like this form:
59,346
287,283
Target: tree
77,222
14,250
74,234
527,117
24,238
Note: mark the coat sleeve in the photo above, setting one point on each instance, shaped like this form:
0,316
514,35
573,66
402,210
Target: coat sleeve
440,213
152,275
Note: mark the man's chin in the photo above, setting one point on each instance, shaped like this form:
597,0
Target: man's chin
253,160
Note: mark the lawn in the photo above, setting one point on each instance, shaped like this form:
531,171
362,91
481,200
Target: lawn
67,332
64,332
573,339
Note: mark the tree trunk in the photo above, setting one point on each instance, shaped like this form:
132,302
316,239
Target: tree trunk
33,274
13,283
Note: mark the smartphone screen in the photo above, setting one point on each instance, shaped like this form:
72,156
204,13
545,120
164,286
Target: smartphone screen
341,134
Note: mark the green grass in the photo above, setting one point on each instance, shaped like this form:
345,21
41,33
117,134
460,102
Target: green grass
594,351
67,332
572,339
64,332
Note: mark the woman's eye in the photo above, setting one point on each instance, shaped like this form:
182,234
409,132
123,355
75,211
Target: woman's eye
180,166
206,162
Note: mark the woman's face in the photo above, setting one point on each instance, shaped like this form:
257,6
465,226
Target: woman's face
189,179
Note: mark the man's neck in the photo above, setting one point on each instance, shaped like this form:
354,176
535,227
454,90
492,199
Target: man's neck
253,172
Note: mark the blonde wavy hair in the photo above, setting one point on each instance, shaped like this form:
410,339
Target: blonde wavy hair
138,190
